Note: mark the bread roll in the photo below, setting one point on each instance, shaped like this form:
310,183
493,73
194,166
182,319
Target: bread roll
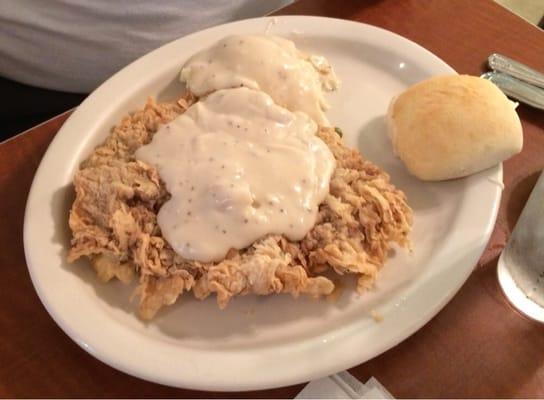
452,126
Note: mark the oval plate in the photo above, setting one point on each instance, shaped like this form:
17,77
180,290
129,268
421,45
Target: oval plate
263,342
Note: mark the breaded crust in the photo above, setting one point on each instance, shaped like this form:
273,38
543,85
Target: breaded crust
113,223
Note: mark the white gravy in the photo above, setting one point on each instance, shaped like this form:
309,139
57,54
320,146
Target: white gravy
263,62
238,167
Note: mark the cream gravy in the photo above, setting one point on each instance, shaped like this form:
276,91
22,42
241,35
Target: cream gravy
263,62
238,167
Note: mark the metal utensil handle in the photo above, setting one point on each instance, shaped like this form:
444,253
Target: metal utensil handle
501,63
517,89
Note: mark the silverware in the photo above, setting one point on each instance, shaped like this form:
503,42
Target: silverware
517,89
521,264
500,63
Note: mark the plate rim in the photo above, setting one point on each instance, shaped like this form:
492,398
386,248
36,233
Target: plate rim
258,381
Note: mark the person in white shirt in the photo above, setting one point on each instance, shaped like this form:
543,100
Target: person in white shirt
53,52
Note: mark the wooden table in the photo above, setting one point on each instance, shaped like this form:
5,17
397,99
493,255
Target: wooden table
477,346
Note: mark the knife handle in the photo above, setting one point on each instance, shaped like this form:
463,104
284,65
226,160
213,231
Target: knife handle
517,89
500,63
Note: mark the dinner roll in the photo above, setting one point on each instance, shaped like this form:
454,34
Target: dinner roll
452,126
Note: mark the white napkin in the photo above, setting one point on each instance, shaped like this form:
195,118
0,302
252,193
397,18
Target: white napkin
344,386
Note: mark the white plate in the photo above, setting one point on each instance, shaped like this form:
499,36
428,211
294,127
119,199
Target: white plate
263,342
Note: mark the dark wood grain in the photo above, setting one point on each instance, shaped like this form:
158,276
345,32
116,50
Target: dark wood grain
477,346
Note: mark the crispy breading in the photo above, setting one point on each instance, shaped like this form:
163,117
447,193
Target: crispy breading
264,268
113,223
